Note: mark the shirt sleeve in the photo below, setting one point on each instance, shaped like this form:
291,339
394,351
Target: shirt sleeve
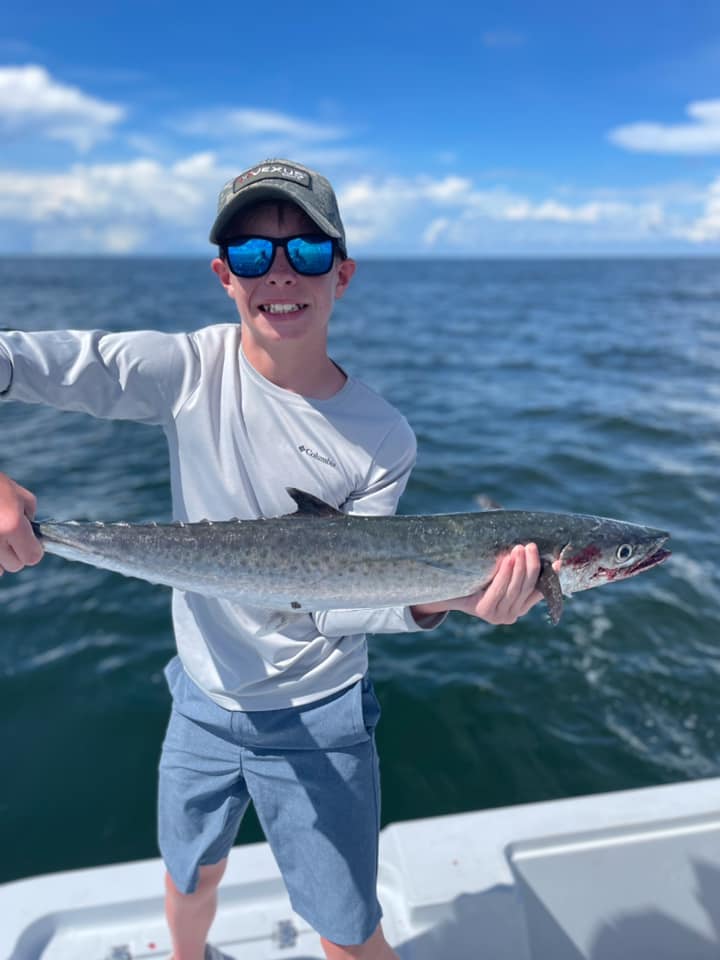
143,375
385,484
5,370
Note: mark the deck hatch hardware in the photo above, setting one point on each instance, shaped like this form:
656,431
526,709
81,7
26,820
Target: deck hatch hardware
285,934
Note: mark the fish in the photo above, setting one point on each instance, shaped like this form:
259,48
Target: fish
319,558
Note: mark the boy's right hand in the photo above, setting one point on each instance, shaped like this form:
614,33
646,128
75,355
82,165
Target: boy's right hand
19,547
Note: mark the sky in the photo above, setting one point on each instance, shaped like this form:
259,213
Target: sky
511,128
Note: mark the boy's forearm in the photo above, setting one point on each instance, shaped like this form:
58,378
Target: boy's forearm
339,623
423,610
120,376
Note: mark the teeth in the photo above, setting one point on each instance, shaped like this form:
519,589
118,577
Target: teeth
281,307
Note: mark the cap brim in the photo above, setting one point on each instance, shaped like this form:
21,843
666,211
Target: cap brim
254,193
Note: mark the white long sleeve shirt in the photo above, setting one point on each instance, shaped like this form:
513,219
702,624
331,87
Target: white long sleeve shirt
236,441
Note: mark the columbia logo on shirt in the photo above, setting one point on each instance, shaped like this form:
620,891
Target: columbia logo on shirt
316,456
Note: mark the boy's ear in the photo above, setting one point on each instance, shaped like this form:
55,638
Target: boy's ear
344,276
222,272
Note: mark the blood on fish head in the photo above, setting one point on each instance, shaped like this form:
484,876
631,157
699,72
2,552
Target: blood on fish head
616,551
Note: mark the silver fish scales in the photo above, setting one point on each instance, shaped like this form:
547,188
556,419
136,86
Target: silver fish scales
318,558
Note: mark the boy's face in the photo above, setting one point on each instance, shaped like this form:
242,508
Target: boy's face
259,299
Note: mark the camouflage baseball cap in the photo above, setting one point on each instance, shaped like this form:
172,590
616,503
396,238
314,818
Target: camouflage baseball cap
281,180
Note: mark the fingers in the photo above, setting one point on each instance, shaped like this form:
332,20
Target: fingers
19,547
28,501
526,571
509,595
512,591
10,562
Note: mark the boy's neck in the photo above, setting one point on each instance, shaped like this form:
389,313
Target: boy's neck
314,375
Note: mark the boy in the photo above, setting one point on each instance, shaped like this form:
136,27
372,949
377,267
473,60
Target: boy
283,715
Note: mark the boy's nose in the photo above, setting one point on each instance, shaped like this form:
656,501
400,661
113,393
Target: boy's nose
281,272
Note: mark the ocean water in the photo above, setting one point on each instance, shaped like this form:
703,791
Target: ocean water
590,386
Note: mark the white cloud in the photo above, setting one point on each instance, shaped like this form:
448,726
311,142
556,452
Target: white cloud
700,136
263,122
707,227
372,208
258,124
121,239
115,207
146,205
594,212
449,189
33,104
451,211
247,136
201,166
434,231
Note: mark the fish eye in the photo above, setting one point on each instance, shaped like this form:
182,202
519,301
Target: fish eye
624,552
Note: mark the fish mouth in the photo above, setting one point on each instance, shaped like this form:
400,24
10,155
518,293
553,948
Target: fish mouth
659,556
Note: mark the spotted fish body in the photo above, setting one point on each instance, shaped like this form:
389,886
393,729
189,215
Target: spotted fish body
320,559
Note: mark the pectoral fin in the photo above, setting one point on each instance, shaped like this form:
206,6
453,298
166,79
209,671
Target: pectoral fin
549,586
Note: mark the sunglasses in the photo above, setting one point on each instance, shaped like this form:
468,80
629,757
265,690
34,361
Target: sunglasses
310,255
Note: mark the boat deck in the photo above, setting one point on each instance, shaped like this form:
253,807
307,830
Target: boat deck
633,874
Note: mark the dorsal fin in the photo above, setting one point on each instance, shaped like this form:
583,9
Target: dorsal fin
486,503
310,506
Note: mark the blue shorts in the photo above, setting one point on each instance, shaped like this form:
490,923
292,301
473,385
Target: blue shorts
312,775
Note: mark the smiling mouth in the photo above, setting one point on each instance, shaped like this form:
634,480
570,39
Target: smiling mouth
282,308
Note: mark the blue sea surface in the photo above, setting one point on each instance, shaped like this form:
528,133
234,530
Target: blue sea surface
589,386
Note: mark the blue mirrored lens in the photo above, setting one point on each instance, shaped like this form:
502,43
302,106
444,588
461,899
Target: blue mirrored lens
310,256
251,257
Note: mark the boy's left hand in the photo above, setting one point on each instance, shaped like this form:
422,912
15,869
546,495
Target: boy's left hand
508,596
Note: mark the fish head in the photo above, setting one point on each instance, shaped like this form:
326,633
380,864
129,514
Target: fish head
602,551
